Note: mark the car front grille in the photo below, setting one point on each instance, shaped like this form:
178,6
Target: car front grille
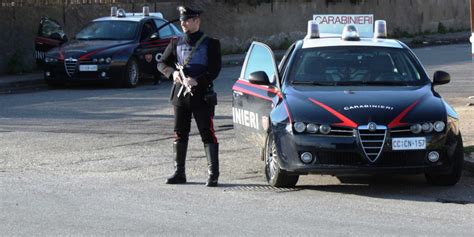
70,65
401,132
386,159
372,137
341,132
401,159
340,158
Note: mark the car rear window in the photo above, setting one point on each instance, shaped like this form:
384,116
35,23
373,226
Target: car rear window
108,30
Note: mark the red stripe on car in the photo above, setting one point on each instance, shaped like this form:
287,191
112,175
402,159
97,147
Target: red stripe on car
345,121
272,90
397,120
238,88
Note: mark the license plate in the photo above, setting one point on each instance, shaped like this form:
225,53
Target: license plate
409,143
88,68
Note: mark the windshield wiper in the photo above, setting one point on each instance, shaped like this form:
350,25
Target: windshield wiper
313,83
104,39
383,83
97,38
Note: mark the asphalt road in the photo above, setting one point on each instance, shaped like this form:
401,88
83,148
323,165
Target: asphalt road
92,161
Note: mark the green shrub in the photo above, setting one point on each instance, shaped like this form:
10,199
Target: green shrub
442,29
285,44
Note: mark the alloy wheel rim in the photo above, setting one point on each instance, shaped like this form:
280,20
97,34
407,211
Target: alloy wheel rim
133,74
271,160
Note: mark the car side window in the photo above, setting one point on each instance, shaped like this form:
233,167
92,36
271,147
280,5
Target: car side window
175,29
260,59
147,30
166,31
284,60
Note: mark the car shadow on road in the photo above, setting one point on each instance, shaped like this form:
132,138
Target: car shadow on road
410,188
397,187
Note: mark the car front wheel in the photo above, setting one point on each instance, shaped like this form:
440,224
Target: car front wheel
454,175
132,74
274,175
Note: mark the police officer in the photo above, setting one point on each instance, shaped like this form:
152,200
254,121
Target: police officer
192,92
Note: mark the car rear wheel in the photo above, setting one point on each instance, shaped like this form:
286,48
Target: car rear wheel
132,74
53,84
274,175
454,175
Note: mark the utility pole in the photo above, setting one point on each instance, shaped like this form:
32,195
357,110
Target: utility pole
472,26
471,98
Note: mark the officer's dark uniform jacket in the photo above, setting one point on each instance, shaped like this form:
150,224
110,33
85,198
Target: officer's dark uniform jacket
204,66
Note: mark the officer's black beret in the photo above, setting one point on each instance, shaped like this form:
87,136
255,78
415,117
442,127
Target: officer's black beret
187,13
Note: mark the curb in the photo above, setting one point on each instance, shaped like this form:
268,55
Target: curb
22,85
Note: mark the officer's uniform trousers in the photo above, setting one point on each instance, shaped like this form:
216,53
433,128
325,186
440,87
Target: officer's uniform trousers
203,115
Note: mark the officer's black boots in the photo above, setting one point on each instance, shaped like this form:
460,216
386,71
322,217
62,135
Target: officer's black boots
212,154
179,176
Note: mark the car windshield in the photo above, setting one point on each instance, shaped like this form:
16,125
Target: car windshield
108,30
356,65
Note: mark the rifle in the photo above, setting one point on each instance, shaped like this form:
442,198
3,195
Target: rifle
188,88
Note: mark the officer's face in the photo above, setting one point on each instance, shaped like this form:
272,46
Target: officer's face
190,25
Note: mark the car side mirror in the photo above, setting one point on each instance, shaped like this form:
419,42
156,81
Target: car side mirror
441,77
58,36
154,36
259,78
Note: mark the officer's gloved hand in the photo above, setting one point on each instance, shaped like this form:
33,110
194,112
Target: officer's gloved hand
190,82
177,77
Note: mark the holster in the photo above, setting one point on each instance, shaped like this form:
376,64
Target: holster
210,97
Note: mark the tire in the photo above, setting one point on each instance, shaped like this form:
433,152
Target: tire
273,174
454,175
53,84
132,74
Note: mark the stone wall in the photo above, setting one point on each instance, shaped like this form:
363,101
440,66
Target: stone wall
236,23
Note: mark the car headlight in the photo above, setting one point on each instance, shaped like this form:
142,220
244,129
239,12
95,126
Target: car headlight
102,60
439,126
312,128
325,129
427,127
415,128
50,60
299,127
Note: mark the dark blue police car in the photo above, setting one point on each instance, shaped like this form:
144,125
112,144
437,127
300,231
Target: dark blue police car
346,105
120,48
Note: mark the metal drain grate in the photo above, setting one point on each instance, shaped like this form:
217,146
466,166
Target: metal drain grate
260,188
